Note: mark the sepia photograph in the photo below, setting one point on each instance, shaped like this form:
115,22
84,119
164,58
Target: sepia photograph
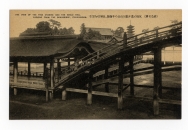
95,64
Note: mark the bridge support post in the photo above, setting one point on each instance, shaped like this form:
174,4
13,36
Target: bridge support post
157,90
89,94
58,70
15,71
52,74
120,84
44,70
15,91
46,95
131,76
106,76
29,69
15,75
51,94
64,95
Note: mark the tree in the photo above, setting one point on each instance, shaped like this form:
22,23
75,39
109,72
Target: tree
55,31
63,31
119,32
43,26
82,31
54,24
30,30
70,30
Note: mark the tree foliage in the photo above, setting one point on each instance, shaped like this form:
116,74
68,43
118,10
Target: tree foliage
82,31
52,27
54,23
91,34
43,26
119,32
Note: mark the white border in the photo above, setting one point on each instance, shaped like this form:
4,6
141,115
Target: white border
7,124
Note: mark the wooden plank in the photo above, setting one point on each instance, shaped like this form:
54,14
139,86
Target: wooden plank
104,94
138,97
26,87
76,90
167,101
143,86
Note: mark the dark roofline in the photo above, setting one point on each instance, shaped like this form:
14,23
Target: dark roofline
46,37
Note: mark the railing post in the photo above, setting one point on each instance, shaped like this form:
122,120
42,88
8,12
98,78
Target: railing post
124,40
157,34
136,40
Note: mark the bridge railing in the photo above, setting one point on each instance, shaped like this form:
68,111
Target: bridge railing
134,41
155,35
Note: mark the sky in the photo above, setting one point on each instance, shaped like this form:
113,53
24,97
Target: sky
20,20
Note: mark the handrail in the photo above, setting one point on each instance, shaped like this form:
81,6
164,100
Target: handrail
105,53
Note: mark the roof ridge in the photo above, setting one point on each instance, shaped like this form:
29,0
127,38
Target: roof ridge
98,28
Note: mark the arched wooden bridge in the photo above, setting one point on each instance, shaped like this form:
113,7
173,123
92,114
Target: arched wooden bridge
124,54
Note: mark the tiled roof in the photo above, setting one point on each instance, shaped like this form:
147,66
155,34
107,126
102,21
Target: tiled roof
48,46
103,31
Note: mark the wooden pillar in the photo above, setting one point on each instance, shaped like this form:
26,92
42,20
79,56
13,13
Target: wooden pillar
106,76
64,95
44,70
51,94
89,94
15,71
52,74
120,84
15,91
131,76
157,90
15,75
29,69
58,70
47,95
164,56
125,40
